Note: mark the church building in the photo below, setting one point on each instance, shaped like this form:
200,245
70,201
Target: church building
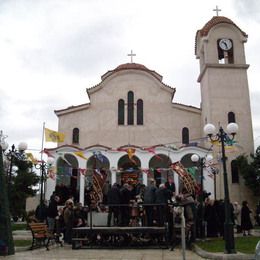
131,130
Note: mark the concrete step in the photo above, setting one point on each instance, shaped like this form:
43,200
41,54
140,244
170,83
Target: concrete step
22,232
22,235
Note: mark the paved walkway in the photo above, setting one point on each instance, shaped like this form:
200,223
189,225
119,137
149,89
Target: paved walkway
128,254
66,252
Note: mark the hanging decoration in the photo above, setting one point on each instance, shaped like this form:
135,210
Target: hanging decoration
83,171
99,156
188,182
152,150
52,173
99,178
131,153
192,172
81,155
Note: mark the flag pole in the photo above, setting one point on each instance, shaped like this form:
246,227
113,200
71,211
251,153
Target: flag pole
43,130
42,191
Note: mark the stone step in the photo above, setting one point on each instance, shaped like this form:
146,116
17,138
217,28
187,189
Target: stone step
22,232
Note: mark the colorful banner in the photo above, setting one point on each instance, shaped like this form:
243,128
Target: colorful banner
188,182
99,179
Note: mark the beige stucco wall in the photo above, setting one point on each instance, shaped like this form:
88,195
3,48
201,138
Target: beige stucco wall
163,121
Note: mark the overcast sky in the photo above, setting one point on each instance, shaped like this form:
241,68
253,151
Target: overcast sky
51,51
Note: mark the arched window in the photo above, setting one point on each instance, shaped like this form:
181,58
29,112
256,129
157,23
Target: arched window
75,136
231,117
121,112
234,172
185,135
130,108
140,112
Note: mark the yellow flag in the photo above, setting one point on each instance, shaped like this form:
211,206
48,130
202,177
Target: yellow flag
31,158
81,155
53,136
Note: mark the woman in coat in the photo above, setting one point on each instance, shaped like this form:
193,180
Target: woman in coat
246,224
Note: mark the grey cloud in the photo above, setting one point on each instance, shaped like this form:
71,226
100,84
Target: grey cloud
78,51
255,104
248,9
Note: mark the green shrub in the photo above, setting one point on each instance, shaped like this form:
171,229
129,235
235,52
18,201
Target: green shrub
19,243
17,226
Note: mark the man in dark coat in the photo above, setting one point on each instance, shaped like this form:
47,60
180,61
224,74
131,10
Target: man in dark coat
52,212
41,211
161,198
125,195
113,201
149,198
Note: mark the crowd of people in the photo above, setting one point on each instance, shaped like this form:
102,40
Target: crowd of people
140,205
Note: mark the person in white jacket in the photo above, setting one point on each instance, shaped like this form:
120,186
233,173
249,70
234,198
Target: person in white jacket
237,216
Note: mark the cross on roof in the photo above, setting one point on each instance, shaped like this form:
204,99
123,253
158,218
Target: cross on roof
217,10
131,55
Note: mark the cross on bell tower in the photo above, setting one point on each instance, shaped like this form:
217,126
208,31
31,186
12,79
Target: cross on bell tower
217,10
131,55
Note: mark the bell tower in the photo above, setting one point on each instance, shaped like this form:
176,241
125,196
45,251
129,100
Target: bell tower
219,46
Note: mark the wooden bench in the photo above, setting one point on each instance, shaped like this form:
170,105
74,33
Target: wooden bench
41,236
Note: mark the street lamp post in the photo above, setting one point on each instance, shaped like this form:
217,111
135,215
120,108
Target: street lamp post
43,167
11,155
224,137
6,236
202,163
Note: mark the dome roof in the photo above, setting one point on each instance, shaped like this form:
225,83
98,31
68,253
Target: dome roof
128,66
214,21
131,66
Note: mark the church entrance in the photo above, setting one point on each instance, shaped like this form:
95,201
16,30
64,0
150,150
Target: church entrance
160,167
129,170
67,182
96,179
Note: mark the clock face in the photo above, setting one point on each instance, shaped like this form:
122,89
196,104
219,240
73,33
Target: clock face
225,44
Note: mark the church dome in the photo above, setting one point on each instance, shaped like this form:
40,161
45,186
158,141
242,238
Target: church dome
131,66
128,66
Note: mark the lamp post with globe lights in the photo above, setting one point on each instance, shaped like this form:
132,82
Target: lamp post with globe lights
223,137
202,163
6,236
43,167
11,155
